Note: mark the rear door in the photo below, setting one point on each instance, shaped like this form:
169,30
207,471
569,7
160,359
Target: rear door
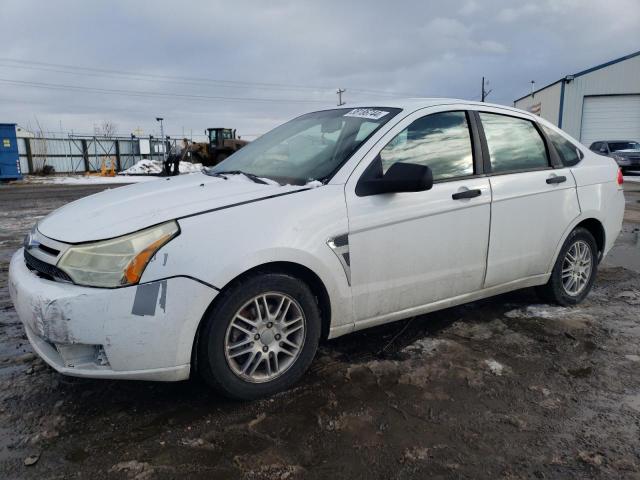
534,200
415,248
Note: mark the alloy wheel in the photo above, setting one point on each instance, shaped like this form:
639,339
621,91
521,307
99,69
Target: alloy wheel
576,267
265,337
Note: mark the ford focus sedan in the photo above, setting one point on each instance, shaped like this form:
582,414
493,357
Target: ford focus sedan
336,221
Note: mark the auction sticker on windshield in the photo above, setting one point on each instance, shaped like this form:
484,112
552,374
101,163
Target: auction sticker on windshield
368,113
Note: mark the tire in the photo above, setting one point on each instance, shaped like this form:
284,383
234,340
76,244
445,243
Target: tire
563,292
235,319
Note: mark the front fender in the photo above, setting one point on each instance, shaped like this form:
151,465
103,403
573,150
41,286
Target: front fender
219,246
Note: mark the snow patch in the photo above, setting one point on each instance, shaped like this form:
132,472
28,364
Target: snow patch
424,345
629,178
495,367
540,311
314,184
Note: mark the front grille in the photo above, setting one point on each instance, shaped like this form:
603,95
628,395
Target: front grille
44,268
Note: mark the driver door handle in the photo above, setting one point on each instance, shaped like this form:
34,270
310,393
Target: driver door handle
558,179
467,194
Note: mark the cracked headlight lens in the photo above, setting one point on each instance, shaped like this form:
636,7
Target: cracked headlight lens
116,262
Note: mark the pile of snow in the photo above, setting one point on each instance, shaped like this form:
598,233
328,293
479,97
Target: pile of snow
155,167
83,179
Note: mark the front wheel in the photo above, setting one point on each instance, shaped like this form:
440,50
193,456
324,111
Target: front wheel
574,271
260,337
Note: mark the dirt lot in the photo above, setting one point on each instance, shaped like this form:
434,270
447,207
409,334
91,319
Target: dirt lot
503,388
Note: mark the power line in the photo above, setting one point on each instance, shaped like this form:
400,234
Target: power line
135,93
92,71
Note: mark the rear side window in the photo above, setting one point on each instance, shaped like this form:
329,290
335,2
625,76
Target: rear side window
569,153
440,141
514,143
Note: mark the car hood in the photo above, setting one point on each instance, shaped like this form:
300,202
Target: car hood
119,211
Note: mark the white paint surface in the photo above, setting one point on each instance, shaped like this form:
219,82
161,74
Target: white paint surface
410,253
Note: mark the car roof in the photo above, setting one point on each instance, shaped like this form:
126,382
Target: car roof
413,104
615,141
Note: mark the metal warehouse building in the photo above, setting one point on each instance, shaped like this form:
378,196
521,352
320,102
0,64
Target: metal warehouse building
600,103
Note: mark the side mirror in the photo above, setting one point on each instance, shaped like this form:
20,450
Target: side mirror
401,177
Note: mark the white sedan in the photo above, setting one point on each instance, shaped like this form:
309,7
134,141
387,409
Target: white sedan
336,221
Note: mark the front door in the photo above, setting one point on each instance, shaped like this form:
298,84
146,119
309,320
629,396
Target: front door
411,249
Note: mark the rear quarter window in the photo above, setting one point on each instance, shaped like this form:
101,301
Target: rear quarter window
569,154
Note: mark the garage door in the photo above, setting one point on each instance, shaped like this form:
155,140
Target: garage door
615,117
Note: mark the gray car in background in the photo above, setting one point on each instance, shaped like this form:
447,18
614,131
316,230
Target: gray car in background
625,152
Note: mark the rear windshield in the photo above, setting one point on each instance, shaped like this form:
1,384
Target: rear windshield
311,147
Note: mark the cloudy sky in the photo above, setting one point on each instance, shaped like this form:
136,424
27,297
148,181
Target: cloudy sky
252,65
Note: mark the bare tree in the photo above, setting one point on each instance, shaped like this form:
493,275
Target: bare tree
39,150
106,129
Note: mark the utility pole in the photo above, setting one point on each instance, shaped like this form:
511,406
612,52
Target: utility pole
340,91
533,86
164,144
485,93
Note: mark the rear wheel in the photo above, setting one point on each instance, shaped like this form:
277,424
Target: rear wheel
574,271
260,337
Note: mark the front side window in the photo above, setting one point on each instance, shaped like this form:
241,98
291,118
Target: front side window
514,143
569,153
311,147
440,141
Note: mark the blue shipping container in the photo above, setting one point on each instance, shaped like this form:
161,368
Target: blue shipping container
9,159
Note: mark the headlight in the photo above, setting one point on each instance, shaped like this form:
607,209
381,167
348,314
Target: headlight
620,158
116,262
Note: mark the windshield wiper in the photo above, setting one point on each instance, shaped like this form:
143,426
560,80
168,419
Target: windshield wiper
250,176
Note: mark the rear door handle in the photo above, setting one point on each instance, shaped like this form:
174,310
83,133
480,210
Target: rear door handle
466,194
558,179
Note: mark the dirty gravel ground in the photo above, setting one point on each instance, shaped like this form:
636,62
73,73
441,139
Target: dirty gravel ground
502,388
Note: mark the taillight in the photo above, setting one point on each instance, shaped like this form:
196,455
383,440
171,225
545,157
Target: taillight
620,177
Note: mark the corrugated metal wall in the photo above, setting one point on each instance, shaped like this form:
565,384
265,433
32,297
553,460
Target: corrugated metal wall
616,79
622,78
546,101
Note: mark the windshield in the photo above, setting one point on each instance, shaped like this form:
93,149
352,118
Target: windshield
311,147
615,146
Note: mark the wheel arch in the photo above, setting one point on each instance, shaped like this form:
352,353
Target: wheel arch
596,228
296,270
591,223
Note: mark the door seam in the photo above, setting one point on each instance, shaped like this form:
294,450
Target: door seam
486,260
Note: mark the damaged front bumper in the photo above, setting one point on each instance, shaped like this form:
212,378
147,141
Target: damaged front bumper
142,332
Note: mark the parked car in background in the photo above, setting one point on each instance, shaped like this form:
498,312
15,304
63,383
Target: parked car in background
626,153
336,221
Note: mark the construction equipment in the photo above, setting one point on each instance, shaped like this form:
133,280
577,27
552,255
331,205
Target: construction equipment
222,143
